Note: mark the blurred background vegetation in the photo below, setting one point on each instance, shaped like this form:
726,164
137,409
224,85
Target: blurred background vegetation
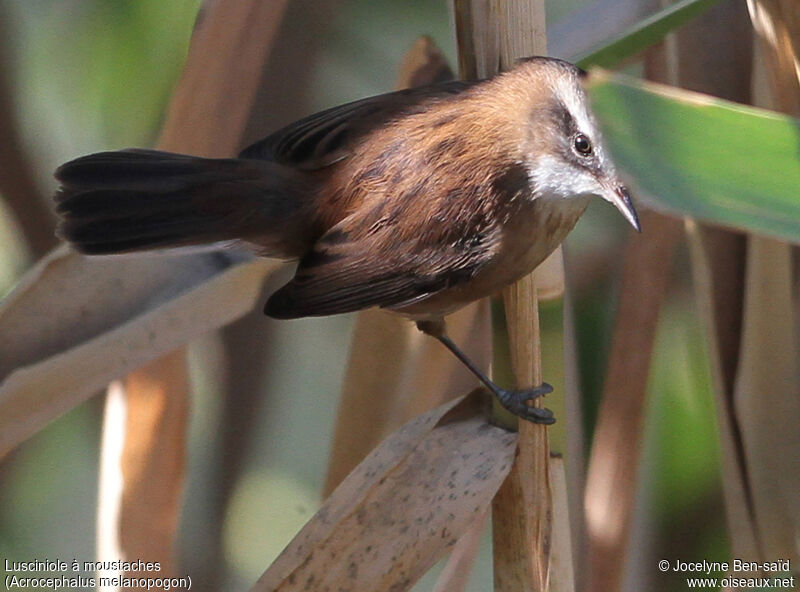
89,75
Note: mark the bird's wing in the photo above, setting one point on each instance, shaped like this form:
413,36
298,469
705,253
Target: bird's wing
326,137
340,275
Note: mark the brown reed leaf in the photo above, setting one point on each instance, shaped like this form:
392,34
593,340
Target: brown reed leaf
403,507
74,324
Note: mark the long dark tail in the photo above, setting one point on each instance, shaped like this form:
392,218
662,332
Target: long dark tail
133,200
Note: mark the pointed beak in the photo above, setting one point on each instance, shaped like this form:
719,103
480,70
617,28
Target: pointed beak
621,199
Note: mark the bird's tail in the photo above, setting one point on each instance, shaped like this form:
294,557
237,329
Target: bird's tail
134,200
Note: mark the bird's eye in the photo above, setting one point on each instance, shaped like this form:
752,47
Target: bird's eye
583,145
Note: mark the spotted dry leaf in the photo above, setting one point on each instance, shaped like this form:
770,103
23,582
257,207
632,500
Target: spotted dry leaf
403,507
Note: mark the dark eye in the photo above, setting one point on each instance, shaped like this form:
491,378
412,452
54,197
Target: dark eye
583,145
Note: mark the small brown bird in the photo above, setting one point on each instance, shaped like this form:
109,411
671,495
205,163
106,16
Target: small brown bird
418,201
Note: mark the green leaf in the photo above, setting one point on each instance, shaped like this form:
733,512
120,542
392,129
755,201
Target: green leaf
643,34
695,155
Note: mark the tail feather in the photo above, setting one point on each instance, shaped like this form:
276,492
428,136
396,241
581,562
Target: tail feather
93,203
146,170
131,200
114,235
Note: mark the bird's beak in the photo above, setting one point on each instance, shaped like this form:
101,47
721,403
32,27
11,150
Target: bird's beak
621,199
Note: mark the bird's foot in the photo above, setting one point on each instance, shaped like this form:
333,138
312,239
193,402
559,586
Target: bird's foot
516,401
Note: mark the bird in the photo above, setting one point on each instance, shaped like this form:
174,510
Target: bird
417,201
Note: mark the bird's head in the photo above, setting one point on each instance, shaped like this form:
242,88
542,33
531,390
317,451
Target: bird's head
562,149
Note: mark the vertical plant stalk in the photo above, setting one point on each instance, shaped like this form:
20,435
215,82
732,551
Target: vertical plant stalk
522,511
492,34
412,372
229,47
522,33
153,459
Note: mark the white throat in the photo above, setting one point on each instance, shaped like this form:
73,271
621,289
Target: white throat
549,177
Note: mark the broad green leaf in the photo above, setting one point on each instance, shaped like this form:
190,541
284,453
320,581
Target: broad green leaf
643,34
695,155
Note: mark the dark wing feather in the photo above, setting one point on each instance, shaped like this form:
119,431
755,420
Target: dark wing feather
339,276
326,137
320,295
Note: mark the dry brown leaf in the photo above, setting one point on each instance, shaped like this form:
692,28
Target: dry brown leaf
65,339
67,299
423,64
777,23
457,572
403,507
212,101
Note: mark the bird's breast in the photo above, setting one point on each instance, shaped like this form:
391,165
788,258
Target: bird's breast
530,236
525,240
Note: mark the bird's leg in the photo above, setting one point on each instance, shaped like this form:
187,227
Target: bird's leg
516,401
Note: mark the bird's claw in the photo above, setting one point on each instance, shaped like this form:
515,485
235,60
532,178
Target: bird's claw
516,401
